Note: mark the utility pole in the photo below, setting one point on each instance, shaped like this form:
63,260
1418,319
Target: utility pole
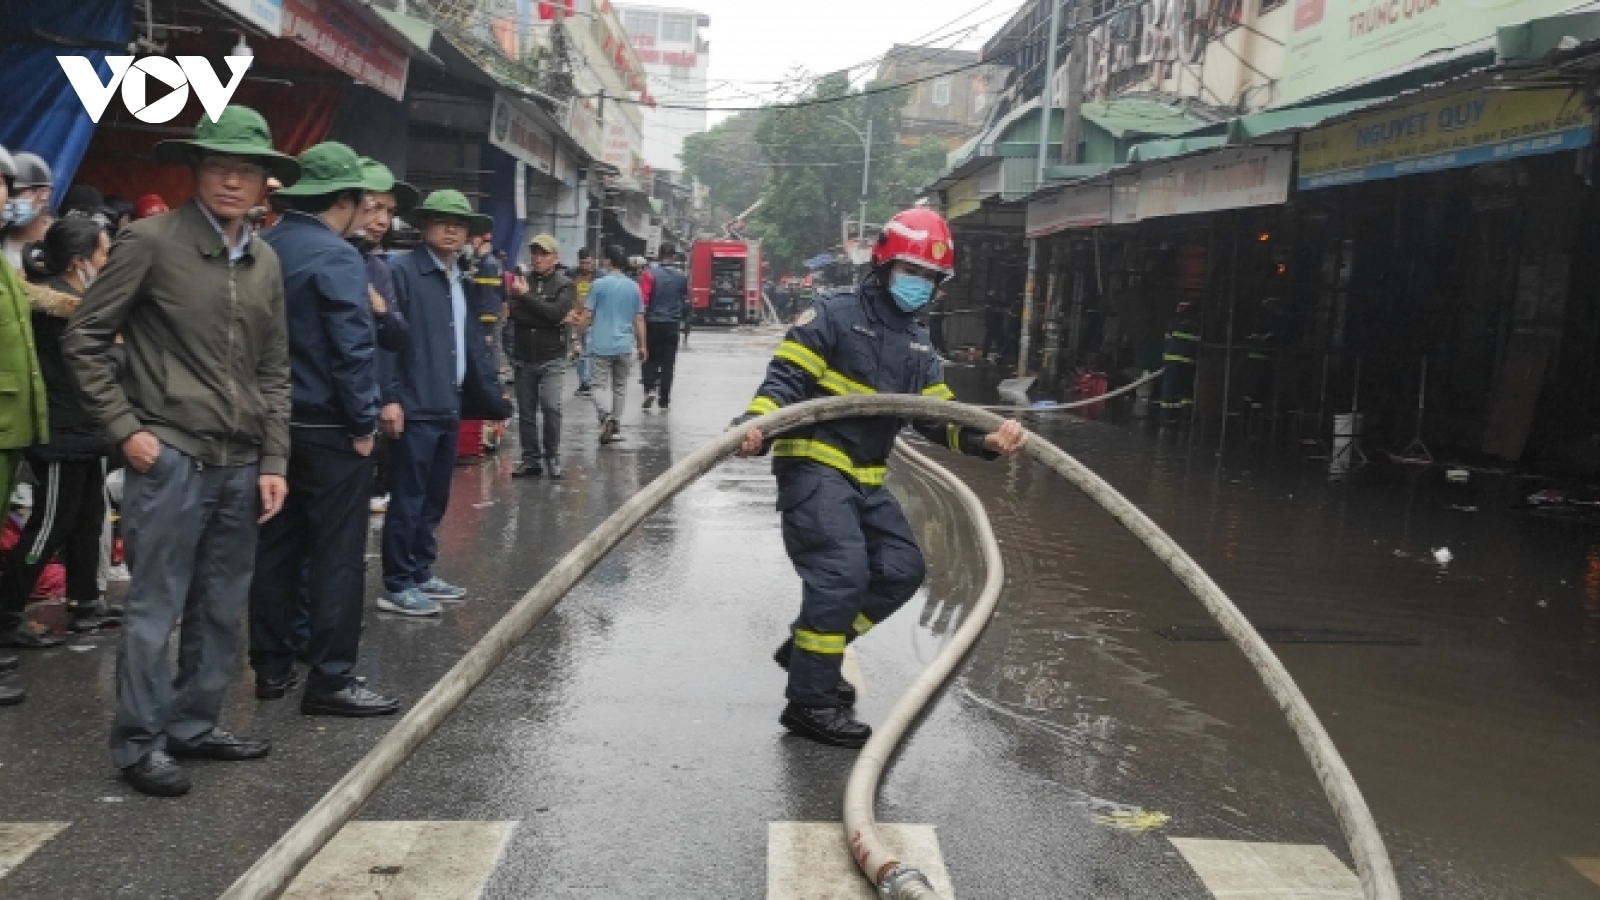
1046,102
866,168
1071,133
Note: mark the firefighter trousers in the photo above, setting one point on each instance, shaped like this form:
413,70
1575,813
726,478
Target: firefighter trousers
858,560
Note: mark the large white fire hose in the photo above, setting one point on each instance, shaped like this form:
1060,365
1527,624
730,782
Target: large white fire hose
277,867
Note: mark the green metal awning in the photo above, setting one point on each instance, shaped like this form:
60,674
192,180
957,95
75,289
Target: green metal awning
1153,150
1134,116
1077,172
1262,124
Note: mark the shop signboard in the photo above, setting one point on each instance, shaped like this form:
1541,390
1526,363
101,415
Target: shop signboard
265,14
328,30
1332,44
584,126
1225,179
1084,206
518,134
1461,130
1125,200
623,140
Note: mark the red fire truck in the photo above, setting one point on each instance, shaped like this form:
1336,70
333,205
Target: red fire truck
725,282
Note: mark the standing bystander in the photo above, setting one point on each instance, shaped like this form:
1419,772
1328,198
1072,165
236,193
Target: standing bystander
582,281
616,334
318,542
202,416
541,310
666,307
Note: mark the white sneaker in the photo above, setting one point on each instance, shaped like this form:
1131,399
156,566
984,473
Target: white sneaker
118,572
378,505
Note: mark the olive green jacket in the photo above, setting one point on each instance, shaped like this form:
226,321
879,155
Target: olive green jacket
208,356
24,413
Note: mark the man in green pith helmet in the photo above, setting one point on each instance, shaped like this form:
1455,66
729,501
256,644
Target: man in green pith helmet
201,413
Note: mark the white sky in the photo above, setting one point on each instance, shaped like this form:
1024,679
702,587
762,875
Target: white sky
761,40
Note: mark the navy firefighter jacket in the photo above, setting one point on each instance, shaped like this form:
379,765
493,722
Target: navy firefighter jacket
856,342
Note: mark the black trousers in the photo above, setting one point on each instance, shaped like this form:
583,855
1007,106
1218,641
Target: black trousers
661,345
317,541
68,513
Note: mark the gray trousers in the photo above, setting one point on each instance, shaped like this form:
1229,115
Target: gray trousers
539,392
610,376
190,535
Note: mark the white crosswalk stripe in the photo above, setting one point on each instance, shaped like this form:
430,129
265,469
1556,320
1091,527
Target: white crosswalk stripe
1587,866
19,840
810,861
414,860
1240,869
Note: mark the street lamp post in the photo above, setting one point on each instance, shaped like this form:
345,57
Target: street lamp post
866,170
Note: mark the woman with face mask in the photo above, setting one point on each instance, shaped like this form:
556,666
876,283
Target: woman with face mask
69,504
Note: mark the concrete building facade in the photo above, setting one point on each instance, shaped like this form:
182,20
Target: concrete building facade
676,60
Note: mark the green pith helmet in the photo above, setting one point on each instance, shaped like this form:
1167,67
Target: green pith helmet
239,131
379,180
327,168
452,204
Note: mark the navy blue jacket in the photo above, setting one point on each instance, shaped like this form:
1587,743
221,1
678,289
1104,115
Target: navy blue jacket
393,329
332,337
422,377
669,295
856,342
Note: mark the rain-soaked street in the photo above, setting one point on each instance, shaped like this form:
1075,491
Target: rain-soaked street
1088,748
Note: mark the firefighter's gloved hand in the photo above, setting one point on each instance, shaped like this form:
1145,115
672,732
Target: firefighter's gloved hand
753,441
1008,441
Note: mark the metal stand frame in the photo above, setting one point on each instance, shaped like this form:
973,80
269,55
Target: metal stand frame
1417,452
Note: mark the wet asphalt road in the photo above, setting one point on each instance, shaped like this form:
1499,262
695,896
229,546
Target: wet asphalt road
634,735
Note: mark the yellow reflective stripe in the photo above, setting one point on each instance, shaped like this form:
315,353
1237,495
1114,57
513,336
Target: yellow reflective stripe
940,390
952,436
818,642
863,624
1173,357
833,457
834,381
802,356
488,318
1183,335
487,282
760,406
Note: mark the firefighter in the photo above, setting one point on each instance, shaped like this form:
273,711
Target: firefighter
1178,356
846,535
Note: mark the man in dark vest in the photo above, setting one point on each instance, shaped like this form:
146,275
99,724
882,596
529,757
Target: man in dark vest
666,305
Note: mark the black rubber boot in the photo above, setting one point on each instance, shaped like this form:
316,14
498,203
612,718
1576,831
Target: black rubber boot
846,692
832,726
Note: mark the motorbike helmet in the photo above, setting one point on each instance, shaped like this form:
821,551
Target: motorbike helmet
149,205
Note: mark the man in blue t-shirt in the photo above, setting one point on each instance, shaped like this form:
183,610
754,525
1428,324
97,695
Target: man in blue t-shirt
616,333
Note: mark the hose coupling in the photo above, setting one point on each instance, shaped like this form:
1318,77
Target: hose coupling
905,883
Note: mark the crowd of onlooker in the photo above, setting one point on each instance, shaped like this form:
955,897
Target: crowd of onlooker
209,401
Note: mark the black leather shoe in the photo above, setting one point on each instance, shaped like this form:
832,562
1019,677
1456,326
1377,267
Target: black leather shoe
11,696
355,701
26,637
158,775
9,664
846,692
220,745
527,470
832,726
276,688
84,621
554,467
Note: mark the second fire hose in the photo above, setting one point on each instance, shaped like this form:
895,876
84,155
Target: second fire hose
271,873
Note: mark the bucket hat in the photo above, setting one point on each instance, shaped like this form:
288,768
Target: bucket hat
452,204
327,168
379,180
239,131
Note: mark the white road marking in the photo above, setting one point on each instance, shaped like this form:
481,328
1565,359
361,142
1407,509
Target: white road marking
810,860
19,840
413,860
1588,867
852,672
1269,871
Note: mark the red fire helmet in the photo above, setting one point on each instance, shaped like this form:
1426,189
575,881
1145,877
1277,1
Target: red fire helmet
918,236
149,205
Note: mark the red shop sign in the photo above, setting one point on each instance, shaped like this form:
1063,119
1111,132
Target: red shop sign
331,31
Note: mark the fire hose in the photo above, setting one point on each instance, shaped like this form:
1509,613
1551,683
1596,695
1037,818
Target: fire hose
273,871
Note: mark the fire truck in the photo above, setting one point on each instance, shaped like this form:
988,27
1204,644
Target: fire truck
725,282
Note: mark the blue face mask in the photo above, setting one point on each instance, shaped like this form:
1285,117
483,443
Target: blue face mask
910,292
20,212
